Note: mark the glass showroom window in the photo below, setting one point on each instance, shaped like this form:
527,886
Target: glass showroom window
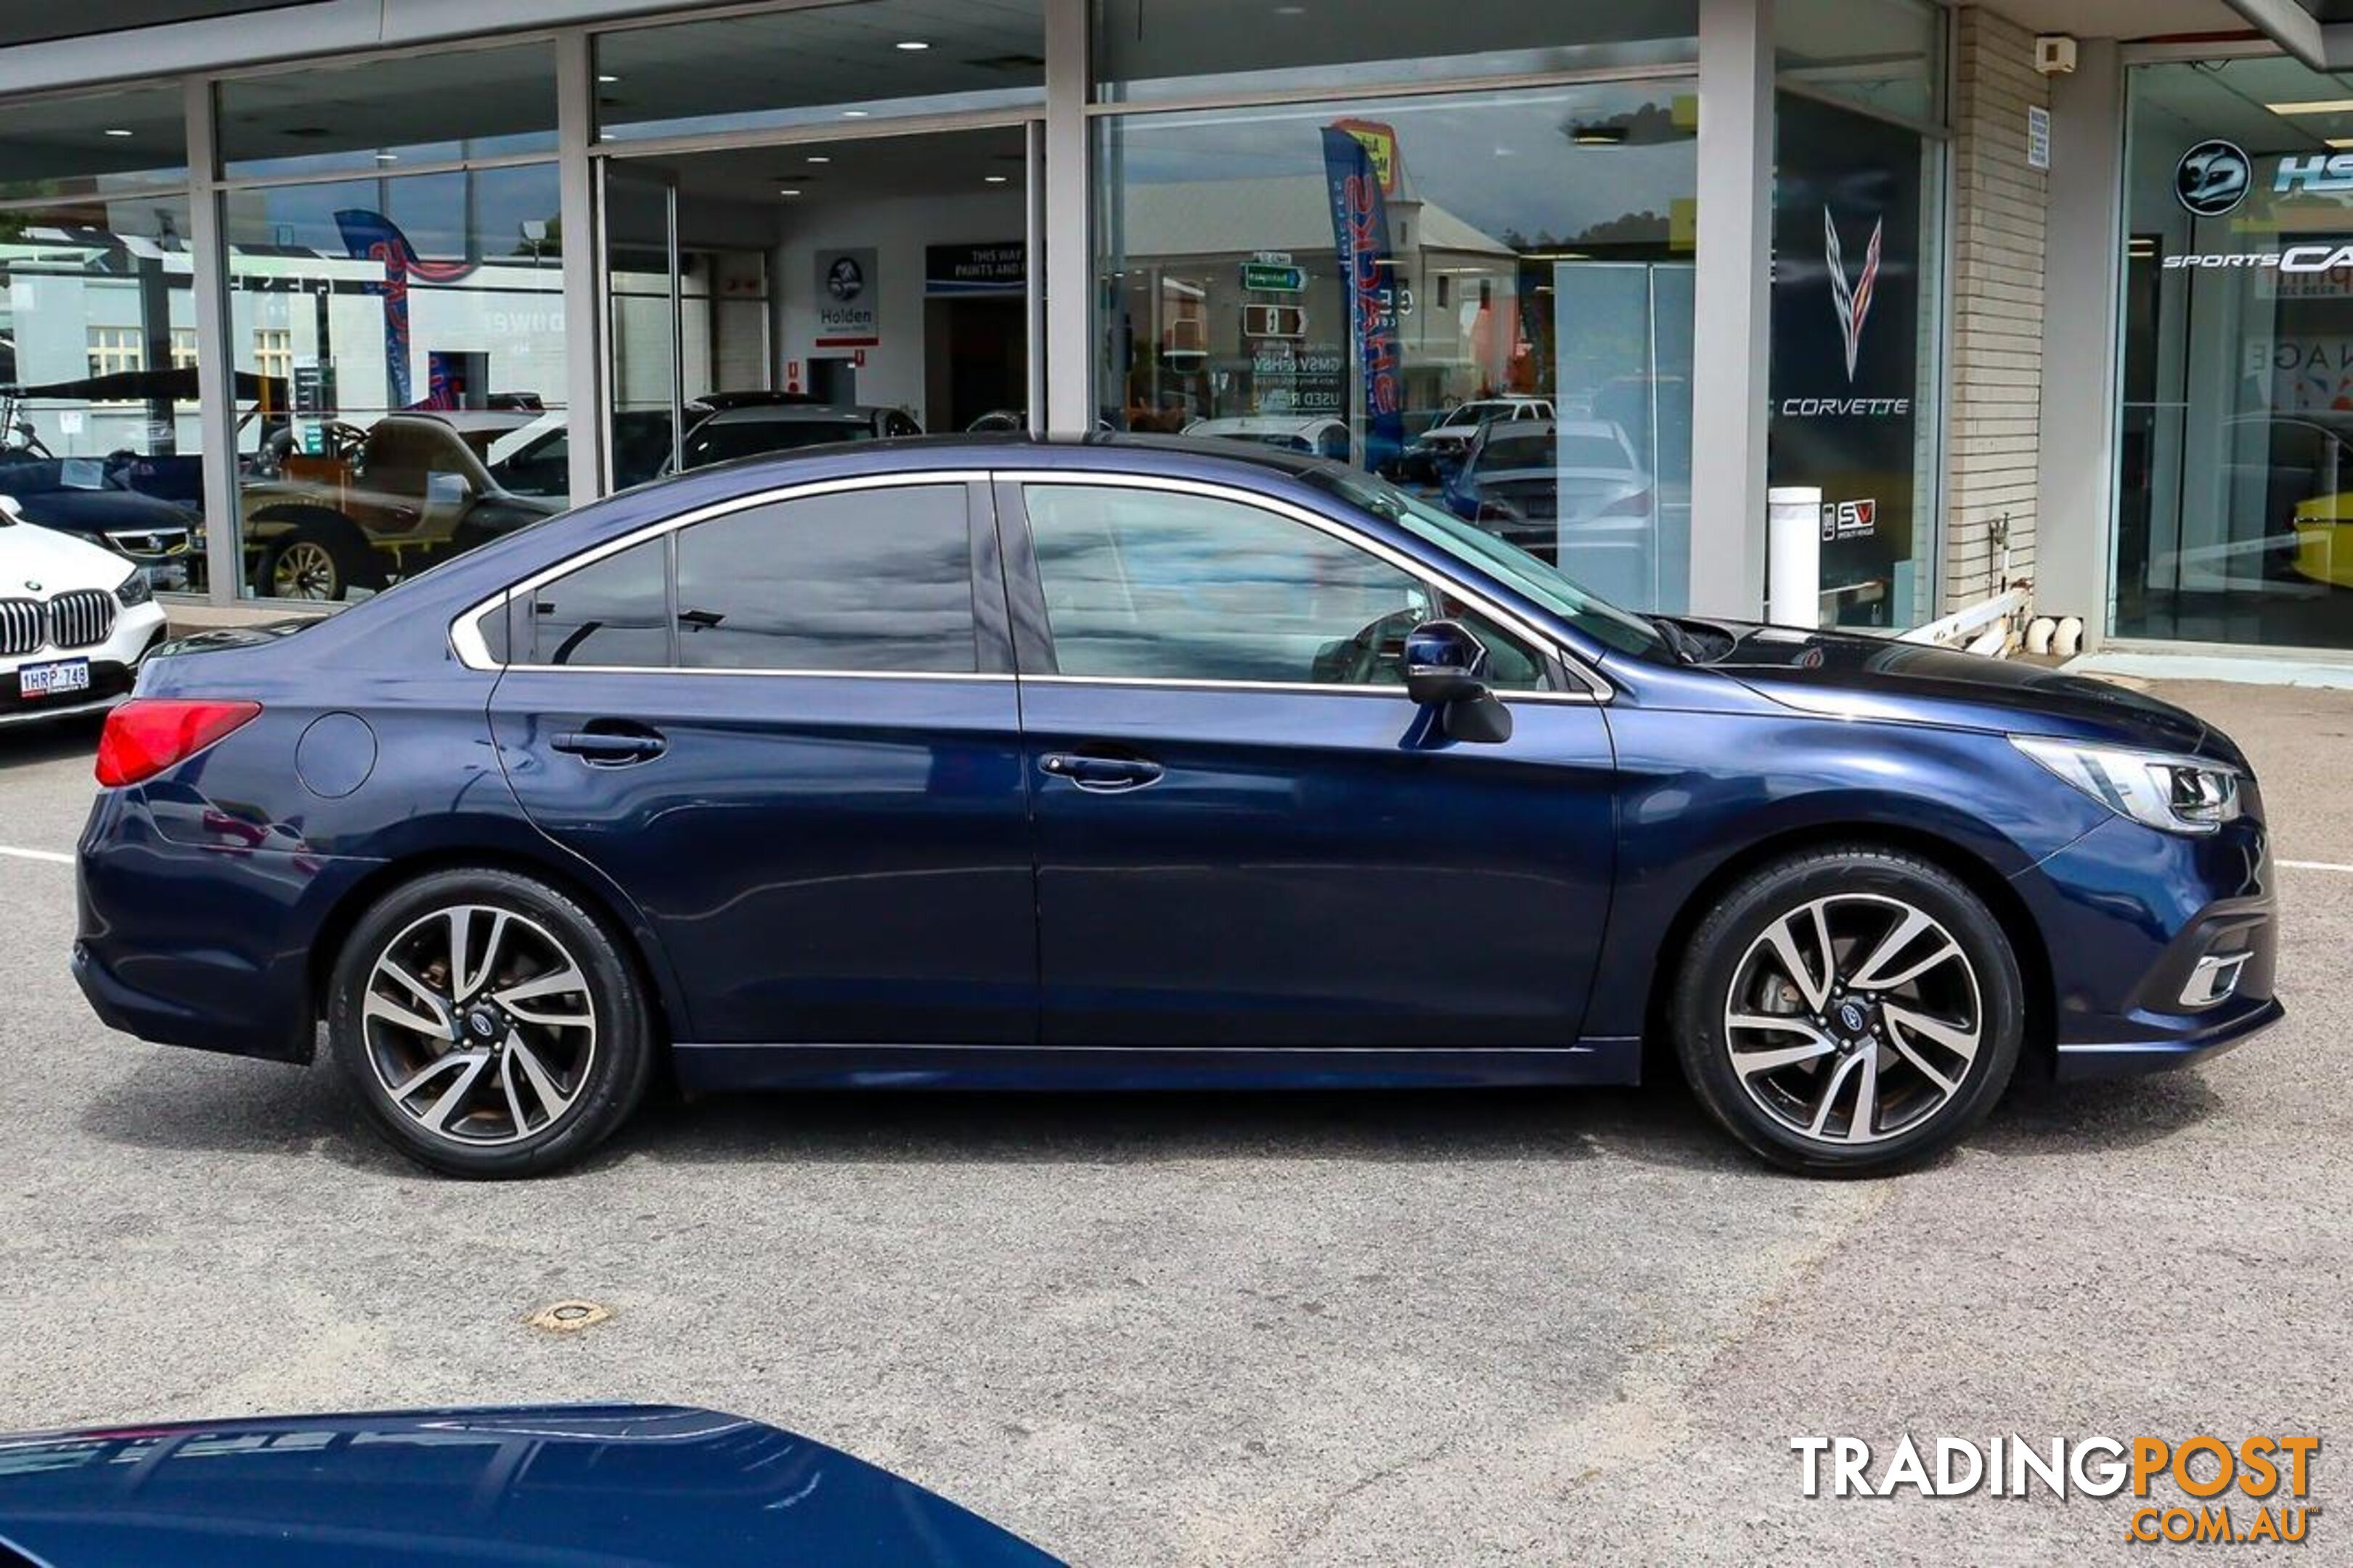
98,426
1155,51
401,336
2234,498
1485,296
794,248
1858,306
821,65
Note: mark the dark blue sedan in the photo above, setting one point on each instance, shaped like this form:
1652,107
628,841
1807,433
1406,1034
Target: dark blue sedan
587,1486
1121,764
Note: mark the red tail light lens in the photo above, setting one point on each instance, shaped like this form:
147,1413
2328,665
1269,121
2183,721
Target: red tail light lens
147,735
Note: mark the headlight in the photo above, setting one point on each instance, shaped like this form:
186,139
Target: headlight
2175,795
135,590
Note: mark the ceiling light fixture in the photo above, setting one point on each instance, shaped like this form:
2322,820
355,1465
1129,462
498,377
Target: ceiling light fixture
913,46
994,179
819,158
116,131
1598,136
608,80
388,157
2314,106
788,191
853,114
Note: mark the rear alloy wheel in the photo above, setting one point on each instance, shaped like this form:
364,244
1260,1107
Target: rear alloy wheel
1852,1012
489,1023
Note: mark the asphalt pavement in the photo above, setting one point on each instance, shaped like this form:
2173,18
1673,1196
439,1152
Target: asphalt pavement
1241,1329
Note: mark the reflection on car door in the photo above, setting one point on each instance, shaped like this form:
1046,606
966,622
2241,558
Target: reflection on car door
790,731
1247,834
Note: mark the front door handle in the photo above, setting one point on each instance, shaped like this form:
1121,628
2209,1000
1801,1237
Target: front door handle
1102,775
612,742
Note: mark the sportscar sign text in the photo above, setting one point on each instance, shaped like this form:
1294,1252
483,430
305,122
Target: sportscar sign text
2296,259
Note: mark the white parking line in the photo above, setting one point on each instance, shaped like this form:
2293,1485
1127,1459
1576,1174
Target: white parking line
2316,866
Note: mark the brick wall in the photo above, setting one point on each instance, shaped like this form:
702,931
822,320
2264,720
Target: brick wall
1993,439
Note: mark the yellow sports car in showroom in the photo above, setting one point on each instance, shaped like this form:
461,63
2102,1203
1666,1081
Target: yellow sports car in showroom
2324,540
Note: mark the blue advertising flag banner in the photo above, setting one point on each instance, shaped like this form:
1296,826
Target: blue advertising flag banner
1360,233
372,236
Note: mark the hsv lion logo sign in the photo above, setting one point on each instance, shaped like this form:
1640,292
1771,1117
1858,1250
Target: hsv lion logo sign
2213,178
1852,300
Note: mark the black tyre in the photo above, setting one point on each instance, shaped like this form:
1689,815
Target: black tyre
489,1026
316,560
1850,1011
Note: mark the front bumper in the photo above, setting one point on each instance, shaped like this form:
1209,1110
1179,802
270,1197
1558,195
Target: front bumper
2141,927
114,670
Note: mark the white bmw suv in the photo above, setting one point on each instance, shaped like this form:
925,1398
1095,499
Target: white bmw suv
75,621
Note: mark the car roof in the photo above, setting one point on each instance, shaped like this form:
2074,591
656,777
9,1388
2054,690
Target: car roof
796,413
1291,423
1168,456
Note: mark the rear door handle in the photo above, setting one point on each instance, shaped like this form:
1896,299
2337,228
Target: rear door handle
1105,775
612,742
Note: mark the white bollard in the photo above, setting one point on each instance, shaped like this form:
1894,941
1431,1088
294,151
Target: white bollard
2070,639
1793,557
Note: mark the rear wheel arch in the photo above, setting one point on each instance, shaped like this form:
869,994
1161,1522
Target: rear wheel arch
1992,888
628,930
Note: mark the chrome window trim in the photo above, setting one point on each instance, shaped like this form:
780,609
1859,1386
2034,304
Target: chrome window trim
466,641
1597,689
473,651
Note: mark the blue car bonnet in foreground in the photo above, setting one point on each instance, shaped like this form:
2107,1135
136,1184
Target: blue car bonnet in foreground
595,1487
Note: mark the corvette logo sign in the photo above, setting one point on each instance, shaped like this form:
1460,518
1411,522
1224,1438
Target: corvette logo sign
1852,299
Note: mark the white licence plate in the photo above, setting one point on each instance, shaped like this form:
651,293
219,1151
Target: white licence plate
54,679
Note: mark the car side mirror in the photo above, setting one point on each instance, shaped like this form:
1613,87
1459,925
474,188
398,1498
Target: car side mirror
1446,667
448,489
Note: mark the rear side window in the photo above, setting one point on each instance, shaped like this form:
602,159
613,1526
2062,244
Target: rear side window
865,582
614,611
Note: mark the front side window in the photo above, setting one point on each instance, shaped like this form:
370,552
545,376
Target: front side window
862,581
1150,584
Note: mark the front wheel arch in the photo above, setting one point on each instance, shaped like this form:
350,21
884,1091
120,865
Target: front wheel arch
1991,887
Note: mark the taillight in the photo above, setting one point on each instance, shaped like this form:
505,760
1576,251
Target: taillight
1636,505
148,734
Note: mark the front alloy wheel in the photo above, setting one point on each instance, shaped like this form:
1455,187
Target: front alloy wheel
489,1025
1850,1011
1853,1018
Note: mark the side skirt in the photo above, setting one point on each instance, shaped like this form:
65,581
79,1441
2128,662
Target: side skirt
746,1066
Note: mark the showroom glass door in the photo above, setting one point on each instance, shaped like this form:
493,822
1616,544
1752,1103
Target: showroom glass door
769,297
2234,492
